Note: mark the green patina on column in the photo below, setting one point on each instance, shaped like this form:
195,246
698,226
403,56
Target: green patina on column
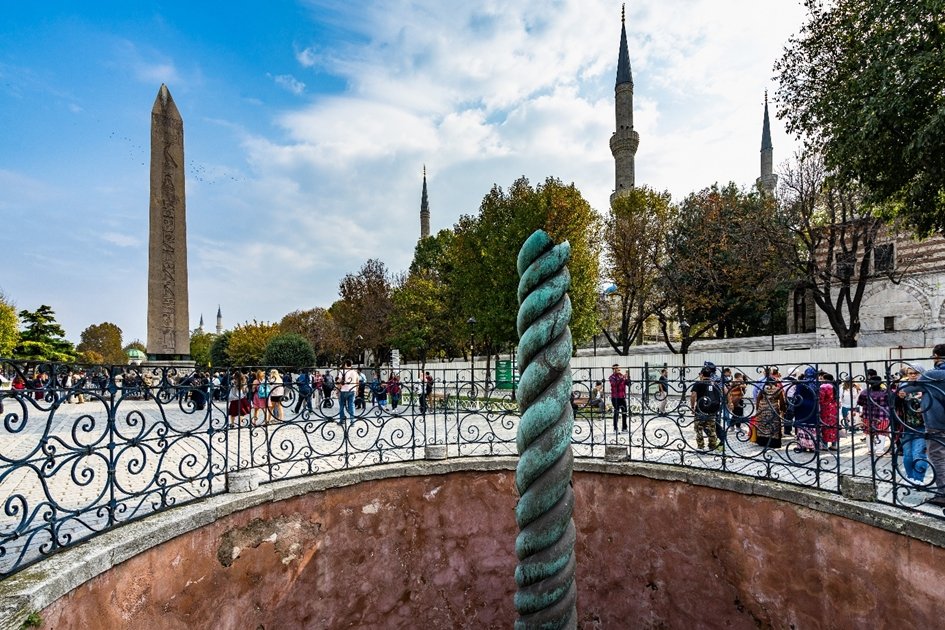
547,592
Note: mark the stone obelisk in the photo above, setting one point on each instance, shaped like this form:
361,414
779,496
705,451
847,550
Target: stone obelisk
168,321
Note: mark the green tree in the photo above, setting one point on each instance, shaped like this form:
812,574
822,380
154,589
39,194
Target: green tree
200,344
219,349
634,244
863,84
418,320
248,342
321,330
91,357
43,339
722,271
426,321
103,340
289,350
364,310
482,280
9,327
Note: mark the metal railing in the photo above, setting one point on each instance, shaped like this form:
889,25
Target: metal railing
86,448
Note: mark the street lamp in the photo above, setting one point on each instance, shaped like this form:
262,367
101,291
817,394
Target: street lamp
684,327
360,341
471,322
767,320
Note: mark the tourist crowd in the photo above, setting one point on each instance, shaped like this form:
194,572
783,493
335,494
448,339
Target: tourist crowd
901,413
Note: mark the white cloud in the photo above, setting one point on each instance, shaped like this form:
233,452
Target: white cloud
481,92
289,83
121,240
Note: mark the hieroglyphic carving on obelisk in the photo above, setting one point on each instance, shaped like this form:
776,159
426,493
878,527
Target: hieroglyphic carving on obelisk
168,321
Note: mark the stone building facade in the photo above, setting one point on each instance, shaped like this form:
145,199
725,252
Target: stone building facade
904,301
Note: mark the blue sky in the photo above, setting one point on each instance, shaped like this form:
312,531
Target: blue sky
307,125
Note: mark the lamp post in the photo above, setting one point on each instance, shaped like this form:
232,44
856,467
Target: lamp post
768,321
471,322
684,328
360,344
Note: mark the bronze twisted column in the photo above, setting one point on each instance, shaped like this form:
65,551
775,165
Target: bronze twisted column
547,592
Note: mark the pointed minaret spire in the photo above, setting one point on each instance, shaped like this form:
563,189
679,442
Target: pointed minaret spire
768,180
624,141
766,129
219,320
424,208
200,327
624,74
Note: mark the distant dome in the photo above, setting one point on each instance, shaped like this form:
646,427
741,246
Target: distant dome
135,356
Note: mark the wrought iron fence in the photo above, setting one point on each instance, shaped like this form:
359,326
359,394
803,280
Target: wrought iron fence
86,448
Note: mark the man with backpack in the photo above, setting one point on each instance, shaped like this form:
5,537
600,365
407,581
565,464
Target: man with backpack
328,384
705,400
304,381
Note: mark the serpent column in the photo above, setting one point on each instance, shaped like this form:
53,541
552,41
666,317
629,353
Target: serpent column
547,592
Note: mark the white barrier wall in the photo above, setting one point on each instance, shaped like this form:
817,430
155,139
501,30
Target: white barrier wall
790,350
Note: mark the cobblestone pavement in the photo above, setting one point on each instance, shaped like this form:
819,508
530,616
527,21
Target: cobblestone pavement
162,455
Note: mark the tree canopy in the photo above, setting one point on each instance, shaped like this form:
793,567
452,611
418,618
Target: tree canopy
722,272
364,310
484,250
320,329
9,327
104,341
200,344
634,244
248,342
219,350
289,350
43,339
863,84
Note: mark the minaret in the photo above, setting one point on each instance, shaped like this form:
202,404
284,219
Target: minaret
200,327
768,180
168,321
219,320
624,142
424,208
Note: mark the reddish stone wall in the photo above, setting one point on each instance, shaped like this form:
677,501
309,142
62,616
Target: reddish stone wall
437,552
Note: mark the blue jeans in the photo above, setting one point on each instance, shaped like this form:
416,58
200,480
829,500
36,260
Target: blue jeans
914,459
346,402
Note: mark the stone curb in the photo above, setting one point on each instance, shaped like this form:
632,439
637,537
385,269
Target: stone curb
39,585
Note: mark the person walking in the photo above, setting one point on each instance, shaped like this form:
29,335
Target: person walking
276,394
662,390
259,391
328,385
362,384
347,387
911,427
237,404
394,389
304,381
426,392
618,395
931,387
874,401
827,401
705,401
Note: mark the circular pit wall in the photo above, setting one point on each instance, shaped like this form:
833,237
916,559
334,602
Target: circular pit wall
436,551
